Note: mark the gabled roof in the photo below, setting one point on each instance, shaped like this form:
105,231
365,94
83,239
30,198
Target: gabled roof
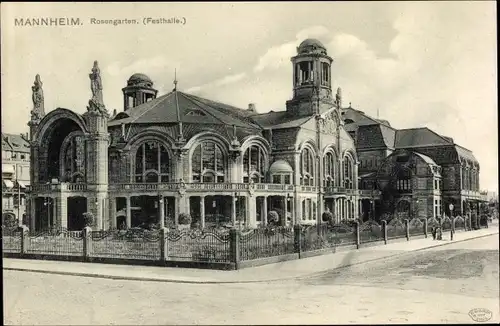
419,137
360,118
15,143
192,109
279,120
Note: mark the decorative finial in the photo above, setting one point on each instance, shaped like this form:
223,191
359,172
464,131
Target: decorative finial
38,100
350,106
175,80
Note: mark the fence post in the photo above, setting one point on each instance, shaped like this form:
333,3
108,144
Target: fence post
297,239
358,238
87,242
234,245
163,245
384,229
407,227
425,227
24,239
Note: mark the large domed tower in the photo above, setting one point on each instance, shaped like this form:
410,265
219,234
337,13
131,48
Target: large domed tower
312,83
139,90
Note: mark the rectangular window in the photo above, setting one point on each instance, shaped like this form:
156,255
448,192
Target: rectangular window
325,73
276,179
287,179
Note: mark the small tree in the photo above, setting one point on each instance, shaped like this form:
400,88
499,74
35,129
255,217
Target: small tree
185,219
273,218
327,216
88,219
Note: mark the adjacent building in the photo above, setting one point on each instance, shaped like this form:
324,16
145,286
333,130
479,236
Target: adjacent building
163,155
15,174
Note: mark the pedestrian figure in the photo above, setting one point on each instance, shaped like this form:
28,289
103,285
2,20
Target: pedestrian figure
439,234
433,231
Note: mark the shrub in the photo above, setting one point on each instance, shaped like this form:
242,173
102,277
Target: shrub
273,217
9,220
185,219
327,216
88,219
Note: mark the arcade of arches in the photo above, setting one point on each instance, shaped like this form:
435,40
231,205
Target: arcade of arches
154,163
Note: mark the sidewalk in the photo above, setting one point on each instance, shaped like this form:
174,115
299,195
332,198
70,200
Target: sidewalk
273,272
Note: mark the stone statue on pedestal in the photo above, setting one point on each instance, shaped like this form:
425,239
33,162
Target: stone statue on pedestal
38,101
96,104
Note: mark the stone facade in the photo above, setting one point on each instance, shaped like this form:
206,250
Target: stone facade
178,153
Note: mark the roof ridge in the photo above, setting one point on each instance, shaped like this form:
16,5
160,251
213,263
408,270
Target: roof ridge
242,119
152,106
194,102
440,136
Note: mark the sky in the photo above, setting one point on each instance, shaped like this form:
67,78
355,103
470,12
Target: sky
414,63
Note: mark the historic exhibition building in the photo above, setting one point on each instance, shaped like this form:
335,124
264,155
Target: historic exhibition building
163,155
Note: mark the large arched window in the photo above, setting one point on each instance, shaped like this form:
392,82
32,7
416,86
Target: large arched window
329,169
404,180
152,163
254,165
74,160
208,163
348,172
307,167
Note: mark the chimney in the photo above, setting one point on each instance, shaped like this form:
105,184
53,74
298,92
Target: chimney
251,107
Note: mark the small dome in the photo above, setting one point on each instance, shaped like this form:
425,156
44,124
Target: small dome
311,45
140,79
280,166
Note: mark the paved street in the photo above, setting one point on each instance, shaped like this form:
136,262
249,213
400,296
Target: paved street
438,285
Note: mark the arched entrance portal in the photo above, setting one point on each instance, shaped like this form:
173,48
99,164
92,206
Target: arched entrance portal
403,209
52,135
76,207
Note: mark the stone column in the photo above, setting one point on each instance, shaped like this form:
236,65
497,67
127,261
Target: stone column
32,213
264,208
161,205
285,210
62,210
128,212
177,209
112,212
202,212
233,210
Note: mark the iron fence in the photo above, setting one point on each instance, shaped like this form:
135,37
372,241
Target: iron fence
370,231
446,224
56,242
11,239
396,229
130,244
416,226
459,223
197,245
329,236
266,242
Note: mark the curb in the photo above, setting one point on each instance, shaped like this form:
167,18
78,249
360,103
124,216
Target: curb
151,279
394,255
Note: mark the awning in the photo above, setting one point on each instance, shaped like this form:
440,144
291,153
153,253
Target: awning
21,184
9,184
8,168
